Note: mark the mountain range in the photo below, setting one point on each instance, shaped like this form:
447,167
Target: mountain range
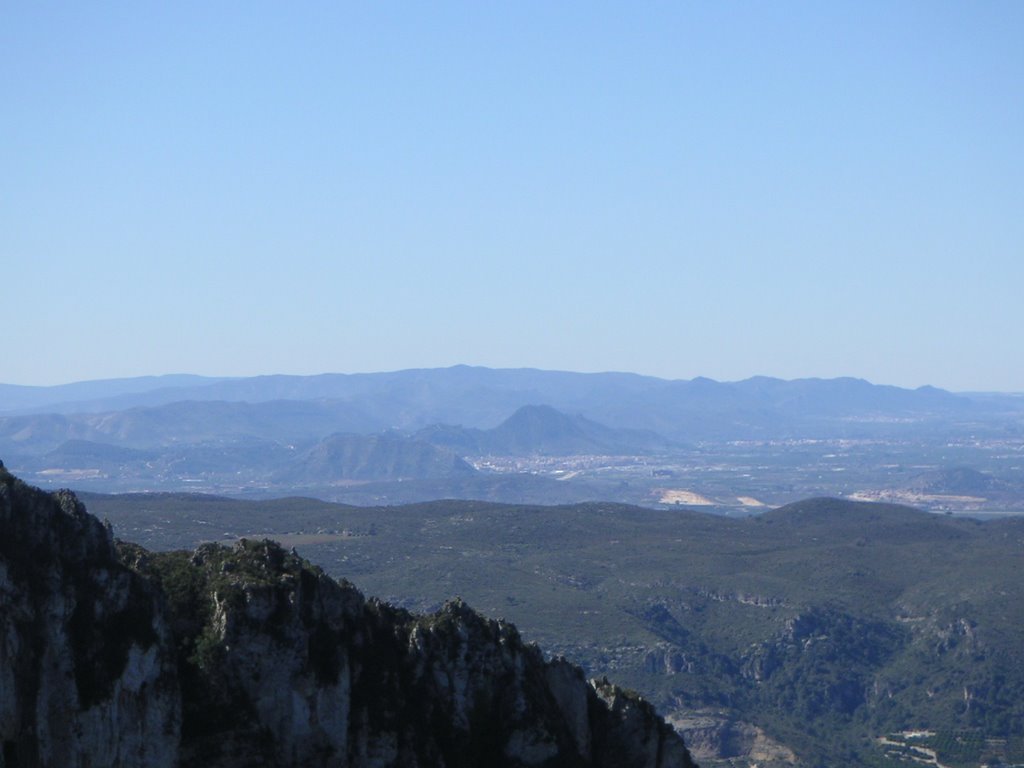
506,435
483,397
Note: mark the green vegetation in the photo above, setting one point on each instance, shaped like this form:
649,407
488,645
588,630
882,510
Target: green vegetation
955,749
195,584
826,623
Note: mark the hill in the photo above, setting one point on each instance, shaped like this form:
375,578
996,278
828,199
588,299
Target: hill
347,457
543,430
819,626
956,481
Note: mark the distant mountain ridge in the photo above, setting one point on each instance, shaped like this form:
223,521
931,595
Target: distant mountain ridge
63,398
482,398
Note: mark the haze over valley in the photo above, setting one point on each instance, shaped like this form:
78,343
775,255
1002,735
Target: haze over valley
524,436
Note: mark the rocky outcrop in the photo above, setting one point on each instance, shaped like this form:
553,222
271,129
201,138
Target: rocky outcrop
248,656
87,669
716,737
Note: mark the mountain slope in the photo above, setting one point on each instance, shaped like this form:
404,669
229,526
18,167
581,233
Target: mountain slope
224,657
825,623
185,422
386,456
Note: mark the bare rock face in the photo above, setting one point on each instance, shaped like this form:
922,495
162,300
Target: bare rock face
632,734
289,667
249,656
715,736
87,669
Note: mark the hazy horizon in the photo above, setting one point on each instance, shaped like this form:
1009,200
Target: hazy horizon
217,377
679,190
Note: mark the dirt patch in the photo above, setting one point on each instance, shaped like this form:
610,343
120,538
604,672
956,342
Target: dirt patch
688,498
750,501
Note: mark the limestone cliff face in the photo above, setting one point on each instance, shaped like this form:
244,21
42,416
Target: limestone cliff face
248,656
87,669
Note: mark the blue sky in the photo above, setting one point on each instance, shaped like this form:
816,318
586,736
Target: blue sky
679,189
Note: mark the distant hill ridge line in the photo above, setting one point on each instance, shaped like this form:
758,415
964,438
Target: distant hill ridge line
172,387
483,398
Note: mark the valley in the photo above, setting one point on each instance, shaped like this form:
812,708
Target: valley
970,477
810,630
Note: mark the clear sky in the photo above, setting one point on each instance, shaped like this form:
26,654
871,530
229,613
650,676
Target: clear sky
679,189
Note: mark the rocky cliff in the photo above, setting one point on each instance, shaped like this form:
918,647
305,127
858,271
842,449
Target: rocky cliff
249,656
87,667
